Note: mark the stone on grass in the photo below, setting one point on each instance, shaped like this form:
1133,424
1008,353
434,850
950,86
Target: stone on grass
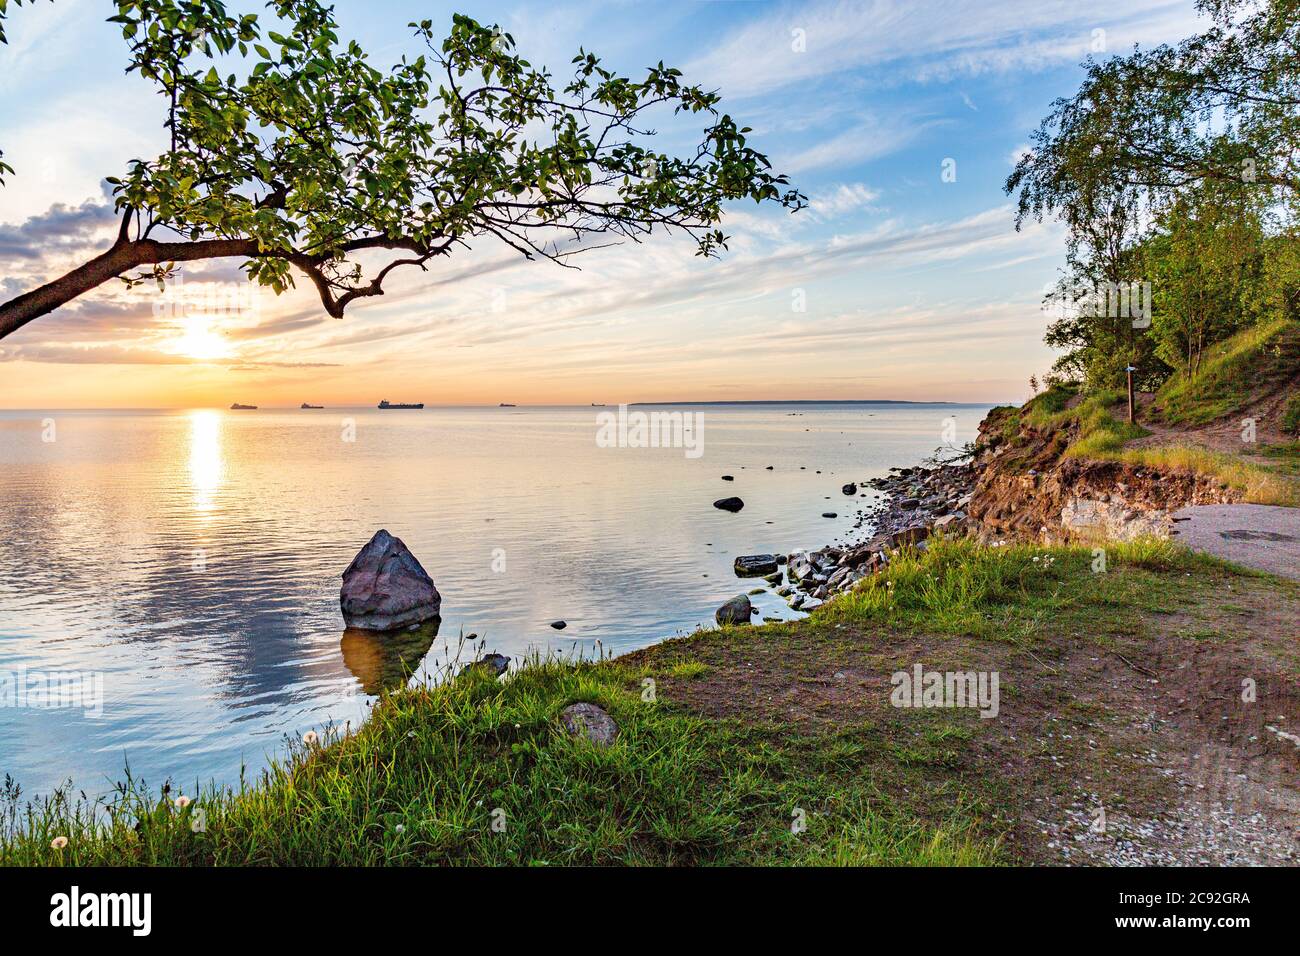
589,722
494,664
913,535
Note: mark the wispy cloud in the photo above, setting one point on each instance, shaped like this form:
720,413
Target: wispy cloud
865,140
927,40
112,354
60,230
843,199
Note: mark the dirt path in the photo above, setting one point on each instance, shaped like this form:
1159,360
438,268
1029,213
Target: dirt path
1264,537
1194,752
1229,435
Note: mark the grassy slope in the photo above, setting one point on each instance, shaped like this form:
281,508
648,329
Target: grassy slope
1232,373
1102,434
711,772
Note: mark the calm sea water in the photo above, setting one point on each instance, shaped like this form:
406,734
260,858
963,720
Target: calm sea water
192,558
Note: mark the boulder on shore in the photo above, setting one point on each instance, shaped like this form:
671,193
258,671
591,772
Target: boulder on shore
755,565
950,523
799,566
729,504
385,588
736,611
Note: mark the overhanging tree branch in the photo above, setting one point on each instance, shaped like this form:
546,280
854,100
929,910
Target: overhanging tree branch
348,159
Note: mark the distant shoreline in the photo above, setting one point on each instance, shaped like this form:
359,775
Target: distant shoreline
819,401
758,403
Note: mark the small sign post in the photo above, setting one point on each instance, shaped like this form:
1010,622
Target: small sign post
1130,370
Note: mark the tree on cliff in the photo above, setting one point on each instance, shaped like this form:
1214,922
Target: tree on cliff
1221,106
1148,147
315,160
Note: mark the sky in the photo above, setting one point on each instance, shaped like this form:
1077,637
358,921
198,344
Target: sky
904,279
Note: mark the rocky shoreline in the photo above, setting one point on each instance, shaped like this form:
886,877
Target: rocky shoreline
915,502
1017,483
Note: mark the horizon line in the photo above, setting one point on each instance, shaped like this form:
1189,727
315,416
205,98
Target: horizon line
761,401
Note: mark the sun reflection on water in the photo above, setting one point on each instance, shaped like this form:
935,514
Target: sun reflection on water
206,463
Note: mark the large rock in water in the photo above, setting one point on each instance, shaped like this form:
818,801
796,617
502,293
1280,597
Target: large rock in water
755,565
385,588
736,611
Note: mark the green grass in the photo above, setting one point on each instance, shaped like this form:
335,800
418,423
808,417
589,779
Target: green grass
1054,399
687,670
1291,416
1006,593
1231,372
1101,434
424,781
1284,457
479,771
1257,485
1098,432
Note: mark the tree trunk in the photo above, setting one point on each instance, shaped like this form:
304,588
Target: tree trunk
122,257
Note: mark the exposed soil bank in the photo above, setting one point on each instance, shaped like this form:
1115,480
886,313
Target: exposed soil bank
1027,488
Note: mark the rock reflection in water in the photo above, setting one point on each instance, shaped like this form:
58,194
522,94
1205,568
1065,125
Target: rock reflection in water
385,660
